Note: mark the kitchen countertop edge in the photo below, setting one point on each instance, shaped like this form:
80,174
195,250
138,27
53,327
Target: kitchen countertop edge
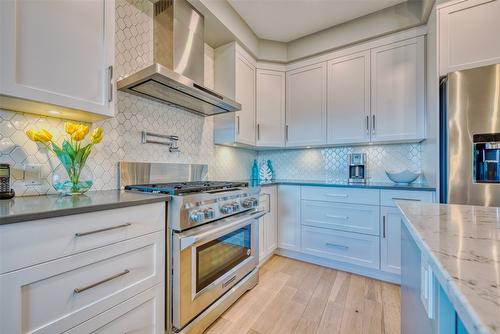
112,203
341,184
467,314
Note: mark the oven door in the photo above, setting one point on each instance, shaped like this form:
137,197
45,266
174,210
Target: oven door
209,260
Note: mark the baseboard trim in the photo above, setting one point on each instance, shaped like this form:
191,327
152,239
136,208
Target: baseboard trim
372,273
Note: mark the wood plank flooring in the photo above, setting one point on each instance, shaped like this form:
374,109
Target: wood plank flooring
298,297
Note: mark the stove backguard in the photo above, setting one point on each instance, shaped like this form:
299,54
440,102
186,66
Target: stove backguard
132,173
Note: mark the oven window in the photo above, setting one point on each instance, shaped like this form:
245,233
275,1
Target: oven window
217,257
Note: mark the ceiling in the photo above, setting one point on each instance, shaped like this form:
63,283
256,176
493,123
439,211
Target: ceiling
287,20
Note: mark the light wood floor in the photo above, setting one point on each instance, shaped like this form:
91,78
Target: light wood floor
298,297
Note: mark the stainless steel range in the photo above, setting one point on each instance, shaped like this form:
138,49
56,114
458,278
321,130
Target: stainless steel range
214,233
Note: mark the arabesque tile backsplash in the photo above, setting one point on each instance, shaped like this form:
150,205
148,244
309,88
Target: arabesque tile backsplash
330,163
134,50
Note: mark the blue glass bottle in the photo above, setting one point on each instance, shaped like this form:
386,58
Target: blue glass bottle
255,171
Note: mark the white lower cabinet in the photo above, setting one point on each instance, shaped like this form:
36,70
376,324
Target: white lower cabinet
268,228
57,293
289,217
390,240
356,218
354,229
142,314
390,233
354,248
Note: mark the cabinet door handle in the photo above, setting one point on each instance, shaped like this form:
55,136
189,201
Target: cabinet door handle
238,124
373,124
336,245
383,227
286,132
367,125
337,195
93,285
338,217
82,234
406,199
110,83
258,131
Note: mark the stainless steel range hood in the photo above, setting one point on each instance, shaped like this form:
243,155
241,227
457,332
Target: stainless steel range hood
176,76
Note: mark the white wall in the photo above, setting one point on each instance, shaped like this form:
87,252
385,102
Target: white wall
430,147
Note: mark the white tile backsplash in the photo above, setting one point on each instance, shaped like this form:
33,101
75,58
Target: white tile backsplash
331,163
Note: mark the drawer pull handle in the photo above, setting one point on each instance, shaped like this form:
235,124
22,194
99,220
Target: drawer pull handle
337,246
338,217
405,199
93,285
337,195
82,234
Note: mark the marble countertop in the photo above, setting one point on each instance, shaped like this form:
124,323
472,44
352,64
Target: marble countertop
463,245
345,184
19,209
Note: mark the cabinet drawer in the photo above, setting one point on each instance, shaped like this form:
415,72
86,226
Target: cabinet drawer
143,313
388,197
353,248
341,216
341,195
29,243
57,295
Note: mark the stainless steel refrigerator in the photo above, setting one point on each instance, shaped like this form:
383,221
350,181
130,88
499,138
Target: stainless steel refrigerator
470,137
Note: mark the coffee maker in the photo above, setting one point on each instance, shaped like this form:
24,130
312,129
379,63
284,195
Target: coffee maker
357,167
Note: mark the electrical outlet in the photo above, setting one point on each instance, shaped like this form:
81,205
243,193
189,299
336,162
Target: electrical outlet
32,174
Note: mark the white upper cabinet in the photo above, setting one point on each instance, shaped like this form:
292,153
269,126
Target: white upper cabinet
270,111
306,106
245,94
235,78
468,34
349,99
57,57
397,91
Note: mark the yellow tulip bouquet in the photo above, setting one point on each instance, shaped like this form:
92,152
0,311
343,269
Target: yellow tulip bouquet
72,154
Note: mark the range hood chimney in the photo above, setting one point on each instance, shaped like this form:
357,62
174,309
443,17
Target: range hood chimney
176,77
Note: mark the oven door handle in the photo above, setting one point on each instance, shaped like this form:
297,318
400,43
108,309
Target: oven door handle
220,230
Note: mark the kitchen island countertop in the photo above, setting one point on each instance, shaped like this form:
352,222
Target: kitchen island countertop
19,209
462,243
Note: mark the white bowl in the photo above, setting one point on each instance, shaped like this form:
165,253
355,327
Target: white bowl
404,176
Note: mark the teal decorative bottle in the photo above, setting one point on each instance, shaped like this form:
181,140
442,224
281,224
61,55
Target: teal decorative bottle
255,171
270,165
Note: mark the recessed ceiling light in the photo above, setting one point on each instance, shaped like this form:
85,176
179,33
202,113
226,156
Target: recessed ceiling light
54,112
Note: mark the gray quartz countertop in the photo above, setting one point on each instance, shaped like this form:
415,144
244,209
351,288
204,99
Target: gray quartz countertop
463,245
345,184
26,208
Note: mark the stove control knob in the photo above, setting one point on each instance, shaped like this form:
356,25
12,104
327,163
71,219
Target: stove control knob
236,206
226,209
209,213
197,216
248,203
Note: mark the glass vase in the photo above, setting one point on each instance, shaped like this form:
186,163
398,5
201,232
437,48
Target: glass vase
72,180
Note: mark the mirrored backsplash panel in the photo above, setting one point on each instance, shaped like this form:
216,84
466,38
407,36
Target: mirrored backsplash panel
331,163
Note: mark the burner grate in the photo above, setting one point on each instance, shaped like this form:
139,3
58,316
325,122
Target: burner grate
180,188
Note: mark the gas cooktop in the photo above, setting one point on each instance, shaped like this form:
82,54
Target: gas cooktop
181,188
